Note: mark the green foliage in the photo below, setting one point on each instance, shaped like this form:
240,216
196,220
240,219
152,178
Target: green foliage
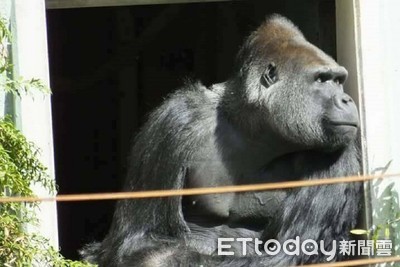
8,81
387,202
20,168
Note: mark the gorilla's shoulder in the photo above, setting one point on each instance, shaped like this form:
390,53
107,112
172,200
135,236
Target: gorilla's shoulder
189,104
198,92
194,97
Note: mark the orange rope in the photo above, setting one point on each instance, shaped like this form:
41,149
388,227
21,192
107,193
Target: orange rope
196,191
222,190
356,262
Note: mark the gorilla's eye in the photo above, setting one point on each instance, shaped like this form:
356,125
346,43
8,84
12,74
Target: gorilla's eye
323,77
270,75
327,76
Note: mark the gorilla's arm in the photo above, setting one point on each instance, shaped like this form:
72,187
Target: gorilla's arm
324,212
159,160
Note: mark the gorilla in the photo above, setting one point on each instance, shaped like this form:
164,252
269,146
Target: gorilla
281,116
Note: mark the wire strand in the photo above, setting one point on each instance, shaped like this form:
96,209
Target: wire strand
363,262
196,191
221,190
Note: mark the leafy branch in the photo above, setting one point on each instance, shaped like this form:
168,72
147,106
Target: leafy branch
20,168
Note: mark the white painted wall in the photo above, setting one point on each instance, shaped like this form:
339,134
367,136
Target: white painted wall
379,42
34,113
368,44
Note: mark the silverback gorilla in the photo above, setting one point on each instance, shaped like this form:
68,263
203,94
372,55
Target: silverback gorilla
282,116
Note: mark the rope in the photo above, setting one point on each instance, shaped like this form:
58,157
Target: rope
363,262
195,191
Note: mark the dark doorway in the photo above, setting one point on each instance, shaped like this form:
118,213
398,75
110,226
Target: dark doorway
110,66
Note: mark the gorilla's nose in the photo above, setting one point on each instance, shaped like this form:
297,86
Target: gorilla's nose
342,101
344,111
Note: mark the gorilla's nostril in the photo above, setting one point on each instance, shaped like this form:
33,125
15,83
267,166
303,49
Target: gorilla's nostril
346,99
341,101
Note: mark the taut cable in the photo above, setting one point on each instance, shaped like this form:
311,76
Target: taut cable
196,191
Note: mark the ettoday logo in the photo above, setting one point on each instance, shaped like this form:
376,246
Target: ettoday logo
295,247
272,247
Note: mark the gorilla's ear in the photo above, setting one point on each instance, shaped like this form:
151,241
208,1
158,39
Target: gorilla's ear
270,75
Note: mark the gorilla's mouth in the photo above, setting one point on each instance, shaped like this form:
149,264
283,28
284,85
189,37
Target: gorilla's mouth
344,123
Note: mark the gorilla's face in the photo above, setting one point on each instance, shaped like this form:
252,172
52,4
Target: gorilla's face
299,90
305,101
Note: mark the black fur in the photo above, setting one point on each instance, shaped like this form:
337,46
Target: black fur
282,116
